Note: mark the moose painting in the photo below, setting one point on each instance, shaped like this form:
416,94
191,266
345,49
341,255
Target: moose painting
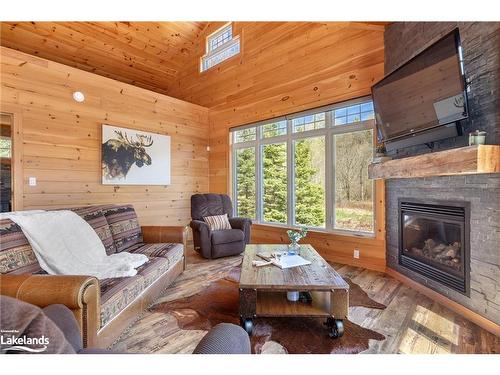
133,157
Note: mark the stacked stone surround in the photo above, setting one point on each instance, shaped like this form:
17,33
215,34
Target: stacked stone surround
483,193
480,42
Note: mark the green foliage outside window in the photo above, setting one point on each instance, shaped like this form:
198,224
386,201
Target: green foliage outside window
5,147
309,182
245,182
274,182
353,188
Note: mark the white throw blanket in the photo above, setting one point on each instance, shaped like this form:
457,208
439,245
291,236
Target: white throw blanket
65,244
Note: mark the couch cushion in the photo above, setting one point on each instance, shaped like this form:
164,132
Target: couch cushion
124,226
118,293
95,217
153,270
171,251
16,254
227,236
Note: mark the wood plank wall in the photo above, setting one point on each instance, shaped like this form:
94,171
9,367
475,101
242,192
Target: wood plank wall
286,67
61,138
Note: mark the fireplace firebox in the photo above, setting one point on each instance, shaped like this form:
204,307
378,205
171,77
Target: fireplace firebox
434,241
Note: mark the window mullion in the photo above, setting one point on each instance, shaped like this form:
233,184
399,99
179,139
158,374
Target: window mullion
329,174
290,197
333,181
234,178
258,177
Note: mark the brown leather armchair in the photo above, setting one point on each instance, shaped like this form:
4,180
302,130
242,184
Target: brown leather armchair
217,243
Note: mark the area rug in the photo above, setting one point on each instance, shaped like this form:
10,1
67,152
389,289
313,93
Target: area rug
218,303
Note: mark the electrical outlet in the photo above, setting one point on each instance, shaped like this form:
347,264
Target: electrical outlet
32,181
356,253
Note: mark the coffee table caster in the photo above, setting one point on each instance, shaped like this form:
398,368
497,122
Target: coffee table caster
336,327
247,325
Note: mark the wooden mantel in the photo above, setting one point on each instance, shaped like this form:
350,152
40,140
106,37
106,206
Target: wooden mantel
457,161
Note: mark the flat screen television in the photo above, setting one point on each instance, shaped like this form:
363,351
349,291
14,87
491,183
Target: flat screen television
417,102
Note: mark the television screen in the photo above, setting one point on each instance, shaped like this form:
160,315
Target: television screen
426,92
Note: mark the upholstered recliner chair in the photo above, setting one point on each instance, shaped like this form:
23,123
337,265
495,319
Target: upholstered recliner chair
217,243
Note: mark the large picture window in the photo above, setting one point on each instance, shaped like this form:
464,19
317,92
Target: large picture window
307,169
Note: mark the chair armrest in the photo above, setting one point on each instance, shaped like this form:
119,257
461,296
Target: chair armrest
239,222
199,225
242,223
201,237
160,234
171,234
81,294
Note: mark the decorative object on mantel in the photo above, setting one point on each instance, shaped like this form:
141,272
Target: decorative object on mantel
295,237
133,157
477,138
457,161
380,159
380,155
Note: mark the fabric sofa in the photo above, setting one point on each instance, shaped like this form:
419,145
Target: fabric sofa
102,308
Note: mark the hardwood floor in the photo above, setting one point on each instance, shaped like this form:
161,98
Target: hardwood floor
412,323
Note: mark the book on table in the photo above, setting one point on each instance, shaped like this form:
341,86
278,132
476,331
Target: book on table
284,261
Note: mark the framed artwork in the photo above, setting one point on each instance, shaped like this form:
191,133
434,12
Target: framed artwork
133,157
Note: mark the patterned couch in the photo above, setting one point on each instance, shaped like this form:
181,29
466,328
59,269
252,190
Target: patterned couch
103,308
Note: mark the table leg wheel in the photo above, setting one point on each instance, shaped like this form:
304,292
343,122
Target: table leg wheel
247,325
336,327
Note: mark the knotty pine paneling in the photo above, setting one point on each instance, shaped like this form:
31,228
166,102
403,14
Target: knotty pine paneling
286,67
61,138
145,54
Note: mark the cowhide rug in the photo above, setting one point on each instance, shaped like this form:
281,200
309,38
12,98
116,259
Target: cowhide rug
218,303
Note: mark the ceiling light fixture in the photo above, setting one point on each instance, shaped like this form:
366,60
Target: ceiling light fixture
78,96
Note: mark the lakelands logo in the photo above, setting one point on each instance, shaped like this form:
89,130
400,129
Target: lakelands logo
9,341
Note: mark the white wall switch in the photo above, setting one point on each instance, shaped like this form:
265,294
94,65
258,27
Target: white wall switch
356,253
32,181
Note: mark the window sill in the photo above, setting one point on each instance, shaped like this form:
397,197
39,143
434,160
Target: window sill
336,232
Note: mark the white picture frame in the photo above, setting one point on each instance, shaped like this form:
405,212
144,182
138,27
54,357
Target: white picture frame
134,157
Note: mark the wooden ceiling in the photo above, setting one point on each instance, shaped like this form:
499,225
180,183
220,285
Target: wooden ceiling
145,54
164,56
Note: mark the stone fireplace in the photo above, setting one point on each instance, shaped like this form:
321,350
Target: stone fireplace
481,191
434,241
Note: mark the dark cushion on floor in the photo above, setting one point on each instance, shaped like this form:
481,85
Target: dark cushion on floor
227,236
65,320
224,338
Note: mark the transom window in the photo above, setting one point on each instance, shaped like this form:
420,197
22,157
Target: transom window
310,122
354,113
220,37
221,45
304,170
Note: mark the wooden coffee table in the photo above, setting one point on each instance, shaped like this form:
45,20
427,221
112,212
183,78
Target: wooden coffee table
263,289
